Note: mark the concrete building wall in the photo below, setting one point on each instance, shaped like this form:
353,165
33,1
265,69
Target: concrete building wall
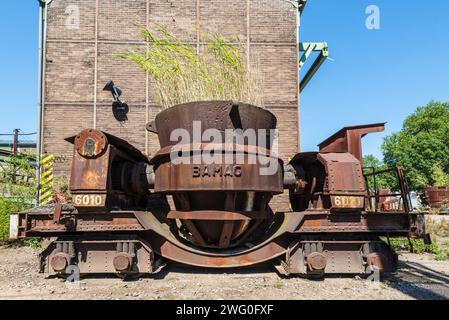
84,35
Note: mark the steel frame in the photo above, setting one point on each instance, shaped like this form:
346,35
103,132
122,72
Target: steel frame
307,48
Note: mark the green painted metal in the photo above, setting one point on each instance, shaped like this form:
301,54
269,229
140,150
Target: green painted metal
298,4
307,48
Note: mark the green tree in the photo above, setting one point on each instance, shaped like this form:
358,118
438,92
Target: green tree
440,177
370,161
421,145
17,188
383,181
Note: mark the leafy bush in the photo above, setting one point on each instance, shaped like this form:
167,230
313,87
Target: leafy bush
183,73
440,177
440,251
17,188
442,255
439,231
9,205
399,244
34,243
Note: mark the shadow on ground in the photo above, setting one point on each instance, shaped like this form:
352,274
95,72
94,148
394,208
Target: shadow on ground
420,282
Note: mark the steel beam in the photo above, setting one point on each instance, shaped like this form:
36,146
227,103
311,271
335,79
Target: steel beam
307,48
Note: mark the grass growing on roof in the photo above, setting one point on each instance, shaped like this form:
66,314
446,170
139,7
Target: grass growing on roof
182,74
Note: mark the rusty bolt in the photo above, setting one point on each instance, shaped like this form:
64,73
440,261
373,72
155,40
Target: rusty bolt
59,262
122,261
316,261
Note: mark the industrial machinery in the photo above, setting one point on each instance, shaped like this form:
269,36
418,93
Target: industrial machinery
435,197
206,202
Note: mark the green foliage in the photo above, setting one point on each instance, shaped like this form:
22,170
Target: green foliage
383,181
182,74
418,246
371,161
34,243
8,206
61,187
17,177
17,189
440,178
442,255
421,145
439,232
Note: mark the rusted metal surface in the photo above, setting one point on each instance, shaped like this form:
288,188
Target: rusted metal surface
217,215
435,197
237,258
98,255
332,181
220,115
380,223
122,262
220,216
244,176
107,172
57,213
60,261
316,261
349,139
282,223
42,223
229,184
167,244
341,256
386,200
90,143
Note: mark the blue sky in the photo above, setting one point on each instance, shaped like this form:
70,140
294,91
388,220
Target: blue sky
19,23
375,76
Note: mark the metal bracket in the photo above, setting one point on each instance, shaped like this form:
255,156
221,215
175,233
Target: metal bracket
45,2
307,48
298,4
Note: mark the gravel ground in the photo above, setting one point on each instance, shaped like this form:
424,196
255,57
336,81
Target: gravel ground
419,277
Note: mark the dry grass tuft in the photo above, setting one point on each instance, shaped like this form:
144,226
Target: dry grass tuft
181,75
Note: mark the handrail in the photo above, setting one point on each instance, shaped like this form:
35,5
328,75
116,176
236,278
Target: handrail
403,194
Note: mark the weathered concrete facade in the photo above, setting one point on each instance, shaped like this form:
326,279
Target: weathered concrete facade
84,35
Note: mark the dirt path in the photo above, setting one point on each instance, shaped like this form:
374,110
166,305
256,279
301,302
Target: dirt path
419,277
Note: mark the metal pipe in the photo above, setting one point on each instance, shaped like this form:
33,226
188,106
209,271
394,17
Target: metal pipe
40,96
299,7
147,82
97,12
298,25
43,10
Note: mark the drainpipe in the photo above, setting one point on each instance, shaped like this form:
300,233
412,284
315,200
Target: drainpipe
298,26
299,7
43,10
